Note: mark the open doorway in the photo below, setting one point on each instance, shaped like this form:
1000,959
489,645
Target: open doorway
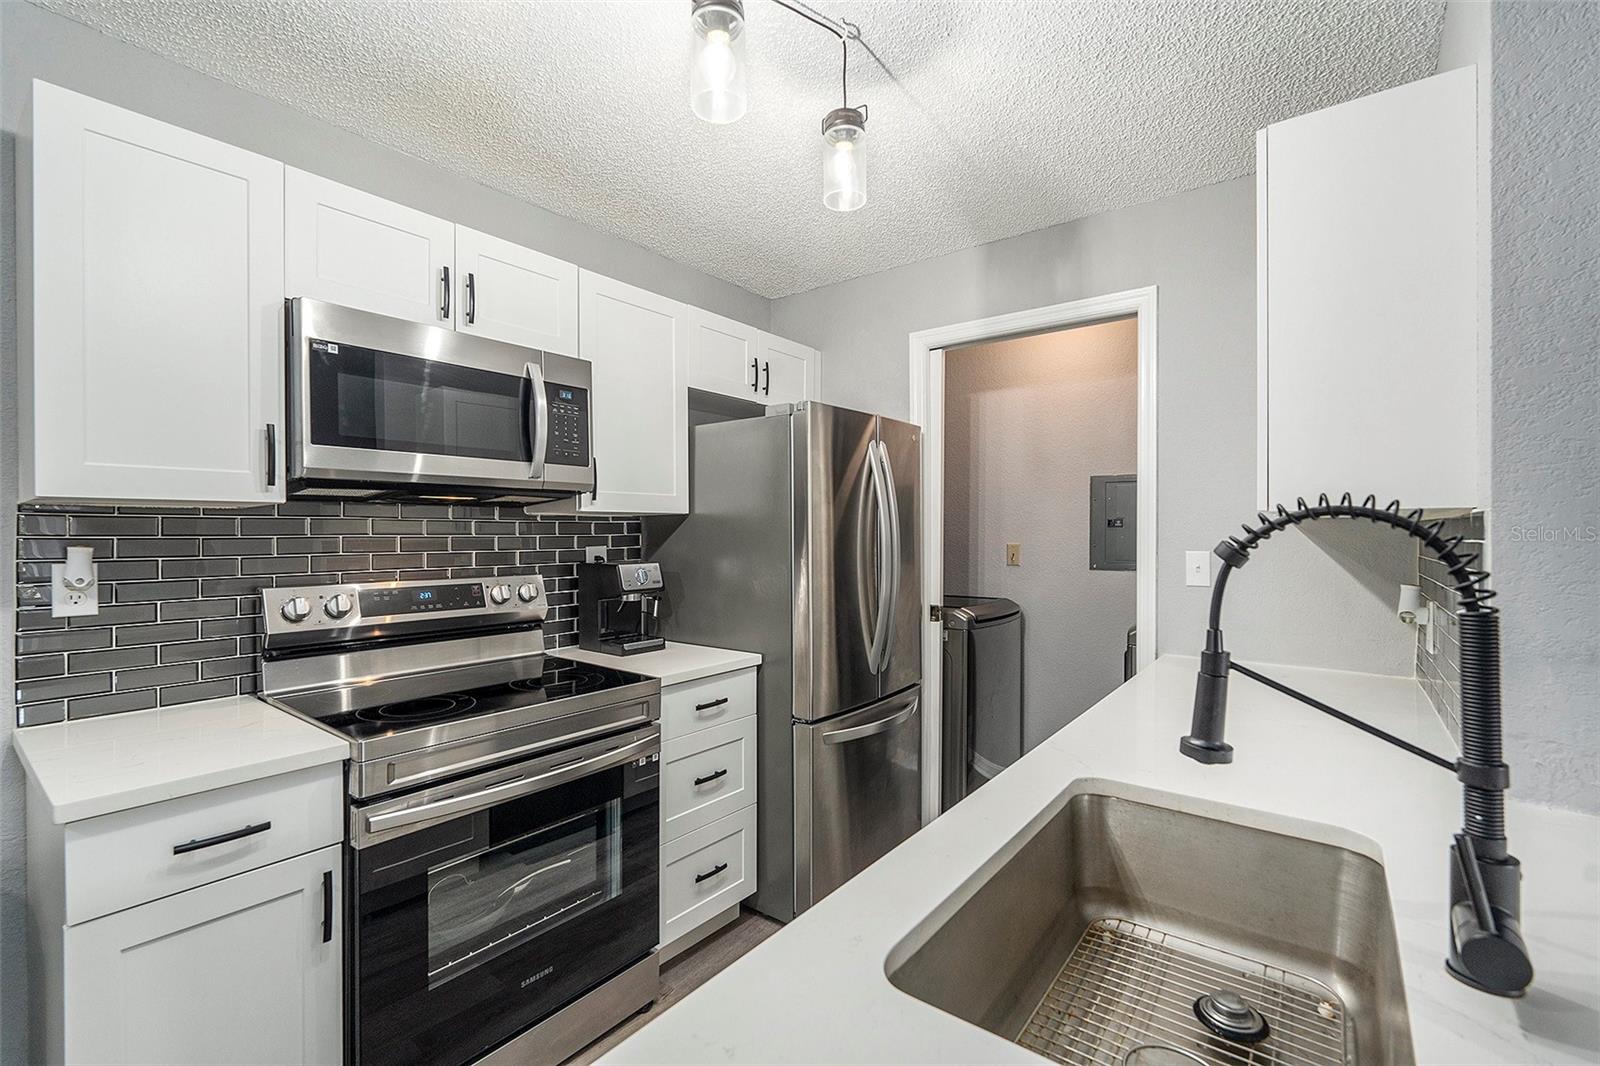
1044,480
1041,451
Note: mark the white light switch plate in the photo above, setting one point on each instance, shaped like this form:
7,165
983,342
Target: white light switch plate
1197,568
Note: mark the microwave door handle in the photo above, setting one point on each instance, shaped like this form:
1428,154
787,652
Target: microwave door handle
538,418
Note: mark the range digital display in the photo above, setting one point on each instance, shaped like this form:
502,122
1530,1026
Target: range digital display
377,602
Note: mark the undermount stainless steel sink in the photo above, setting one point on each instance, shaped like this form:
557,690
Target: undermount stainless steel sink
1097,935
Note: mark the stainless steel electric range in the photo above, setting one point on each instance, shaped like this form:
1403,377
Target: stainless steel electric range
501,859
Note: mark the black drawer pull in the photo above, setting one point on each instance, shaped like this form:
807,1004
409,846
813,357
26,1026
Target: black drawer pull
711,777
220,838
713,703
327,906
709,874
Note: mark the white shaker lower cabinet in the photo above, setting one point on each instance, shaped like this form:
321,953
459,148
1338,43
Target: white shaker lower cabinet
638,346
708,805
205,929
349,247
242,970
514,294
151,310
1368,298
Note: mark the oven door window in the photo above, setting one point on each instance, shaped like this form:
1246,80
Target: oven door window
381,401
466,933
484,905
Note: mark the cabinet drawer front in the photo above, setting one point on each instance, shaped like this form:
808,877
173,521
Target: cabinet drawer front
707,775
696,705
127,858
707,871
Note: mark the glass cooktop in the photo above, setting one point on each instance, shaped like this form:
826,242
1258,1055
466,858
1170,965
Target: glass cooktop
419,701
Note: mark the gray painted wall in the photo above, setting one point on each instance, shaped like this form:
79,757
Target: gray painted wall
1544,525
37,44
1027,423
1327,602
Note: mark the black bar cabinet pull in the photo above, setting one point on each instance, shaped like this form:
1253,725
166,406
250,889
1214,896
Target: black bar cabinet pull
711,777
755,374
766,368
444,304
709,874
713,703
327,906
220,838
472,298
272,455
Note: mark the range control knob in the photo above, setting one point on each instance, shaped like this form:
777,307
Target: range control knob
500,594
338,606
526,592
297,609
642,576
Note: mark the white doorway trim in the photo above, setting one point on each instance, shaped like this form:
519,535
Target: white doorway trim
927,410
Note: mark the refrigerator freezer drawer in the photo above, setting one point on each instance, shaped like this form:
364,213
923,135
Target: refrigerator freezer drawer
858,791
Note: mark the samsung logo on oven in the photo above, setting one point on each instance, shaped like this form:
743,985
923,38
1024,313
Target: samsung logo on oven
546,972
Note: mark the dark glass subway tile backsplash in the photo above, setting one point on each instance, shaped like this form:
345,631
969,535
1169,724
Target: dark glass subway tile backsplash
180,588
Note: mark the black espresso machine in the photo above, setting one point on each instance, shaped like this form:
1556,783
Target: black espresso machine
618,607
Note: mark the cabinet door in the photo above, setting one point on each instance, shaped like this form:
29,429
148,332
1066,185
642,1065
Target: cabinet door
350,247
515,294
724,355
787,371
243,970
152,364
638,344
1368,298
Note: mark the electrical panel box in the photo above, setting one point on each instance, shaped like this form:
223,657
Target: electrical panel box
1113,521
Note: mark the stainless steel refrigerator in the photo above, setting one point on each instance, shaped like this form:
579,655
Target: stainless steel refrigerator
802,543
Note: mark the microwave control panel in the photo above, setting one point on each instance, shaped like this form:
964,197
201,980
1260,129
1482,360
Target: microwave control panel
567,438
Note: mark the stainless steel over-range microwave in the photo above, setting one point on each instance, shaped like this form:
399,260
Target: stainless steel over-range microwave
380,406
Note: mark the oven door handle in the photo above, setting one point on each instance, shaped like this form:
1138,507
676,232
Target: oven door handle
521,785
538,418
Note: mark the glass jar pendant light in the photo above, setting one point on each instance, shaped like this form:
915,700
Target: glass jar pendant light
716,61
843,173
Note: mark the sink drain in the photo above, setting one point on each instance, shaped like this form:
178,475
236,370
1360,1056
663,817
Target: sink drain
1226,1013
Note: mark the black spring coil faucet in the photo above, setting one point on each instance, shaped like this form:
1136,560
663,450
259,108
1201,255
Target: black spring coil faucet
1486,947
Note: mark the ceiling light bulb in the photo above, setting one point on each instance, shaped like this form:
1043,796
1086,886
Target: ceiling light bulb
716,61
843,177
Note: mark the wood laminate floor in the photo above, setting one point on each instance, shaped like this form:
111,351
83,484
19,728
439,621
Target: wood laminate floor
686,973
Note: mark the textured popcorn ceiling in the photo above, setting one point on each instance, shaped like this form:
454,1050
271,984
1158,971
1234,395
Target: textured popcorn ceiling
1000,117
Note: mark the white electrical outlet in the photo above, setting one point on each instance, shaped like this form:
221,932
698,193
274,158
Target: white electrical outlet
595,554
69,599
1197,568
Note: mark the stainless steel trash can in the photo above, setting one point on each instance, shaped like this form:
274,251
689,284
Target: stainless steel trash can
982,727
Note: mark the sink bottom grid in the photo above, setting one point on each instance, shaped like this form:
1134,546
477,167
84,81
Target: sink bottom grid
1126,996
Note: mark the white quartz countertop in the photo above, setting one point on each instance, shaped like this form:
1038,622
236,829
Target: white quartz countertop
96,766
816,992
674,664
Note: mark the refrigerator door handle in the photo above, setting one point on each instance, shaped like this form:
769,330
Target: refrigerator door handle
891,562
880,626
870,729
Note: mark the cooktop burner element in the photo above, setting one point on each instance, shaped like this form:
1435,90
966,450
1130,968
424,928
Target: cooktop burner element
422,709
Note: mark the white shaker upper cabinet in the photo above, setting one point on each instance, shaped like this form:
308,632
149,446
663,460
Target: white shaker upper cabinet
151,310
1367,265
515,294
788,371
724,355
350,247
638,343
